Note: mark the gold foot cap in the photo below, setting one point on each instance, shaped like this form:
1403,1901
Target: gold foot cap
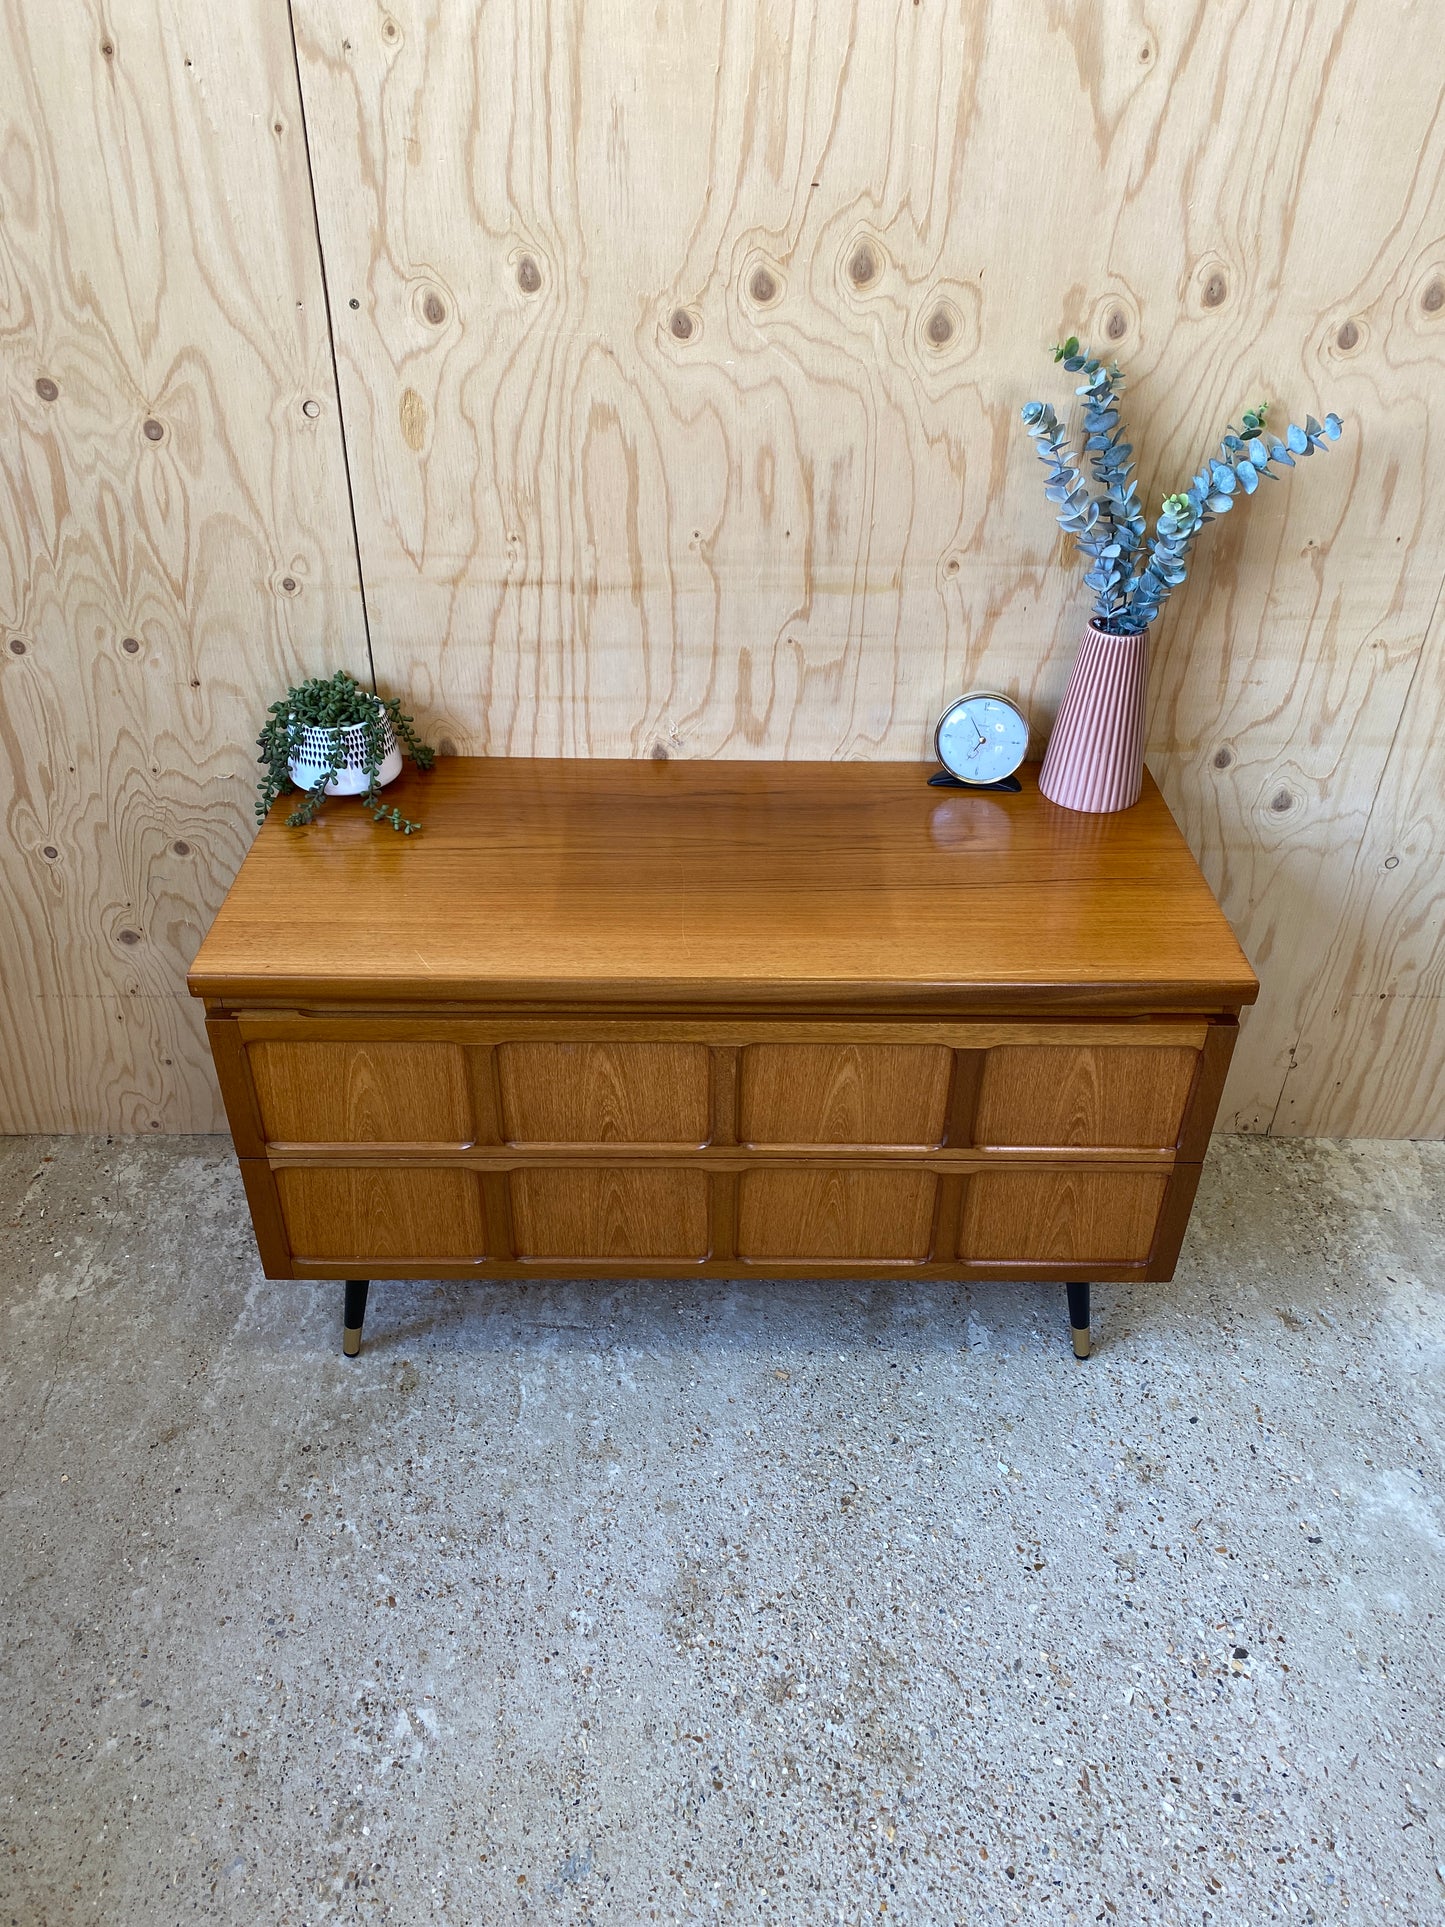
1083,1340
351,1340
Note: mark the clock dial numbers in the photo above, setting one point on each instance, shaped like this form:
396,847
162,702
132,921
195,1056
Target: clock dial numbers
982,738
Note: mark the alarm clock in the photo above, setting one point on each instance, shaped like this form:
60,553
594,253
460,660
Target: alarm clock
981,740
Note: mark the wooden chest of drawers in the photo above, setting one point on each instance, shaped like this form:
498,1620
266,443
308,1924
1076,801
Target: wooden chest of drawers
724,1019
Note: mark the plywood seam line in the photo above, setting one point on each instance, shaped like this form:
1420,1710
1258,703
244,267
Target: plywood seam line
1289,1070
331,343
1404,713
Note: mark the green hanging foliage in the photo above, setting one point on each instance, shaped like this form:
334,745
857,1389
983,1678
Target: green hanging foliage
334,703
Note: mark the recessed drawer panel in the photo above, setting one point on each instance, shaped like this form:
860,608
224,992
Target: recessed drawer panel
843,1094
579,1213
1060,1217
367,1212
836,1216
604,1093
1078,1095
352,1093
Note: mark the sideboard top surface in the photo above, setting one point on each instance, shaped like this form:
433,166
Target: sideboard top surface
634,882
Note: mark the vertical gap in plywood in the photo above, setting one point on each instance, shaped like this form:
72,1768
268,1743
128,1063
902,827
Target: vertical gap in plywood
331,343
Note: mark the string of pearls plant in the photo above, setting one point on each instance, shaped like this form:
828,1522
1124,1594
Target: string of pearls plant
330,724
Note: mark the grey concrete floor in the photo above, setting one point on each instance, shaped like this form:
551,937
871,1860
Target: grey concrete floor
720,1602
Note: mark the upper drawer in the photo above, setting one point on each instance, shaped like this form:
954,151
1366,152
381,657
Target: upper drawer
445,1083
1071,1096
380,1092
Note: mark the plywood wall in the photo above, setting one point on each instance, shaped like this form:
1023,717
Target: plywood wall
680,349
175,540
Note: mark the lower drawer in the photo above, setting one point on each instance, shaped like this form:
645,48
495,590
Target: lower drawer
371,1218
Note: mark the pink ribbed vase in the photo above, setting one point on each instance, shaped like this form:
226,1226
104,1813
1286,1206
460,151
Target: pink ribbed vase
1095,758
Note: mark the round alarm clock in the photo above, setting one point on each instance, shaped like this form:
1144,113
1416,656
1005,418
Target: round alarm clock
982,738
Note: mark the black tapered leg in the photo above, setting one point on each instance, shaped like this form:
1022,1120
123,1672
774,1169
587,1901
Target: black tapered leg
355,1314
1079,1319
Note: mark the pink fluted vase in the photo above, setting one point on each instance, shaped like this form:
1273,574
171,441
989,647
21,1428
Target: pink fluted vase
1095,758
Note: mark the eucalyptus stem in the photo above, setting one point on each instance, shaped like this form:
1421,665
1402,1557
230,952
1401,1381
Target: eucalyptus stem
1131,573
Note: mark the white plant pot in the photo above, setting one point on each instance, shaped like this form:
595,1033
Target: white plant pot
314,758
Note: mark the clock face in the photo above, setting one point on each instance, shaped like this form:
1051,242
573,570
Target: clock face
982,738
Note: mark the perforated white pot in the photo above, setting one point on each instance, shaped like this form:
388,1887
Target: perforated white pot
313,759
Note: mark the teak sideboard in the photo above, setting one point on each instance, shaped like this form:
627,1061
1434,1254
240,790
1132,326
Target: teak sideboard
720,1019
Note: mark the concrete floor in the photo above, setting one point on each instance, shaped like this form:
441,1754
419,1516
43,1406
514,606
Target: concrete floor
711,1602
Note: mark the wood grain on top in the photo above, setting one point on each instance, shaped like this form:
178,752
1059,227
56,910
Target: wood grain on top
787,883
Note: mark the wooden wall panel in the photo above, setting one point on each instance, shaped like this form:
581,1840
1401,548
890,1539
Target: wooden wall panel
690,339
174,527
1370,1055
681,392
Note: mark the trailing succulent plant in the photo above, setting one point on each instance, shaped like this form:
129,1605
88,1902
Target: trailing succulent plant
1131,573
334,703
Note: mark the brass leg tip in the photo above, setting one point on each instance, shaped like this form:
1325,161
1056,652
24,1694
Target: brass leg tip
1083,1341
351,1340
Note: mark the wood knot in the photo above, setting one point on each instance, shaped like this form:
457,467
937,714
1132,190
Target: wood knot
762,286
1223,758
1215,289
529,275
311,409
181,847
152,429
1281,801
389,29
1392,863
434,308
862,265
659,752
130,646
1433,299
128,936
1117,326
681,324
17,647
950,567
107,47
445,746
1348,337
288,584
940,327
353,302
50,853
46,388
